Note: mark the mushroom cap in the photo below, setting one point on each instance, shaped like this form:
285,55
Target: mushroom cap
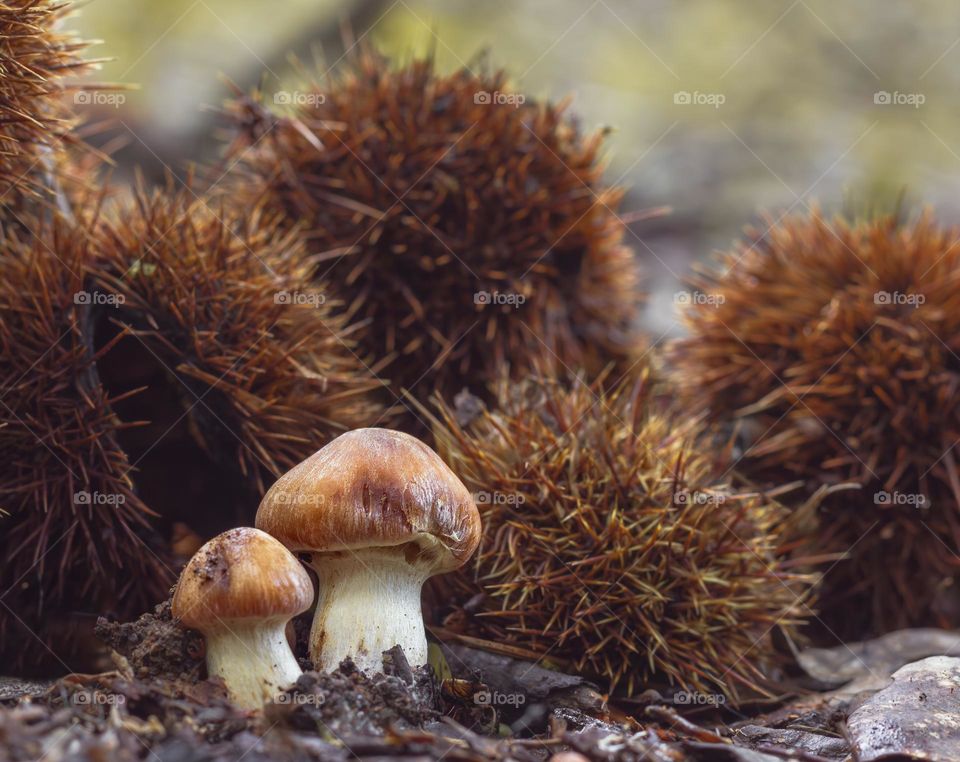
241,574
374,488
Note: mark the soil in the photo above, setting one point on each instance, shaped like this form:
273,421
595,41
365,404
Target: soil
349,703
118,715
157,704
155,646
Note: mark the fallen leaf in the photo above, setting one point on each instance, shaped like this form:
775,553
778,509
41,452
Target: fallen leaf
917,715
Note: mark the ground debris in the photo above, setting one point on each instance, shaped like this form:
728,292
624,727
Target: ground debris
868,665
827,747
15,687
601,745
466,706
344,715
155,645
916,717
520,693
349,703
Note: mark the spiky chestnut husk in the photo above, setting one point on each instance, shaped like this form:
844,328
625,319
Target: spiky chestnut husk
610,542
178,389
423,202
219,300
59,444
35,122
835,373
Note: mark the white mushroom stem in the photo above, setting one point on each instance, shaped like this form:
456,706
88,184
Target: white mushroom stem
369,602
253,658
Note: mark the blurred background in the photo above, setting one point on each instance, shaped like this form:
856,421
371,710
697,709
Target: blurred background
720,109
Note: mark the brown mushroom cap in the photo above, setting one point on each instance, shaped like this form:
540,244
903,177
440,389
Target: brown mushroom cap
241,574
373,488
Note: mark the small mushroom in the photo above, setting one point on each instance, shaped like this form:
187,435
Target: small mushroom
379,512
240,590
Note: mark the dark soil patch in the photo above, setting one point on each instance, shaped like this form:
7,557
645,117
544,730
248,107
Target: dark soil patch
155,645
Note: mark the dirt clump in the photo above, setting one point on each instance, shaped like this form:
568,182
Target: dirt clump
155,646
348,702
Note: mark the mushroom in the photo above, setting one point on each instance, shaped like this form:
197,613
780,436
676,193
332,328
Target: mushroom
379,512
240,590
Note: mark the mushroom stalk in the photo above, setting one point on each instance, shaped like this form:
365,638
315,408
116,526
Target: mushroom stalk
369,602
253,659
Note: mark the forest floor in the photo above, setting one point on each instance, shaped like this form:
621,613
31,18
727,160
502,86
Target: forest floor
896,696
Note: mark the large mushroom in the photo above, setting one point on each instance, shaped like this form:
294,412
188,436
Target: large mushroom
379,513
240,590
